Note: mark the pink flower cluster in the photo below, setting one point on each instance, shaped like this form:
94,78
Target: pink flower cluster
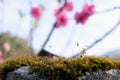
61,14
36,12
62,20
82,17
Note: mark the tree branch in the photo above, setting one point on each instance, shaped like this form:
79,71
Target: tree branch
108,10
100,39
49,35
48,38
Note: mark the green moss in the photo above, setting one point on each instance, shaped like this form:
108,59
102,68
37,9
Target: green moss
68,68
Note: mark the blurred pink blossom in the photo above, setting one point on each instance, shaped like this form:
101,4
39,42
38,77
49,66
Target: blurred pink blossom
6,47
1,60
36,12
62,20
89,9
59,11
1,53
69,6
82,17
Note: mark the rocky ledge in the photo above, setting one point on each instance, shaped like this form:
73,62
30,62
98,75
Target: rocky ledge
26,73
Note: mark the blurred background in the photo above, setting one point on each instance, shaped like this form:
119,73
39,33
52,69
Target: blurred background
16,23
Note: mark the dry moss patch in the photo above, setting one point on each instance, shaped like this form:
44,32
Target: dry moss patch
67,68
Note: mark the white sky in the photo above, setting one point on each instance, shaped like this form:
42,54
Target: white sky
86,34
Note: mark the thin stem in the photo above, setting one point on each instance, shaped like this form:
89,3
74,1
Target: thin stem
51,31
48,37
100,39
31,37
31,29
108,10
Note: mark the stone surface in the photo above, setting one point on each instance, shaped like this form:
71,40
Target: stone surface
113,74
26,73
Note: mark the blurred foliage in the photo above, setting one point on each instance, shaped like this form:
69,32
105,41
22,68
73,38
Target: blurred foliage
59,1
18,47
60,68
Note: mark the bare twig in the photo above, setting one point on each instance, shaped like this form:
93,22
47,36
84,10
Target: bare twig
51,31
48,38
108,10
100,39
97,41
31,29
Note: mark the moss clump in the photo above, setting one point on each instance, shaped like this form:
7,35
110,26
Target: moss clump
61,68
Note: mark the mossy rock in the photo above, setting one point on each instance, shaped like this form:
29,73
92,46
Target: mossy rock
68,68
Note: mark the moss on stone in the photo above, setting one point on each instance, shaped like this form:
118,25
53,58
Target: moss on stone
68,68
